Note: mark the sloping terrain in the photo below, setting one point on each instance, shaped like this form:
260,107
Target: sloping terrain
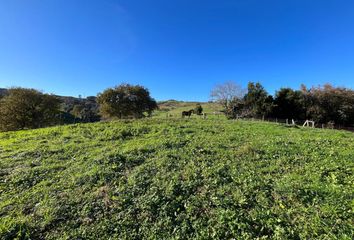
174,108
176,179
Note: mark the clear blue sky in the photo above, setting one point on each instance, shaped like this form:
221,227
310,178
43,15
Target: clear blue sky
178,49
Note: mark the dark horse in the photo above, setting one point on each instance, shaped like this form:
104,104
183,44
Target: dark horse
187,113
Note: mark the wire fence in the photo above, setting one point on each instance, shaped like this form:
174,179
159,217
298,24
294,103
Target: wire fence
289,122
303,123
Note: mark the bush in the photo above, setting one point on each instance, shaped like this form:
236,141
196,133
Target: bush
85,113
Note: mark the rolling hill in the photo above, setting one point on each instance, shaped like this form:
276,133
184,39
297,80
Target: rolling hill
174,108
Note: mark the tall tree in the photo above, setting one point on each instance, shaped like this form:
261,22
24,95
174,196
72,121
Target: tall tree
257,100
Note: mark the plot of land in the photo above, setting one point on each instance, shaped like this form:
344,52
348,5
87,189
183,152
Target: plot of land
176,179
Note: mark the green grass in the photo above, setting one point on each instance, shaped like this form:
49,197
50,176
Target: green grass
175,108
176,179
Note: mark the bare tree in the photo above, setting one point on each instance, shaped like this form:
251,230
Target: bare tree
227,92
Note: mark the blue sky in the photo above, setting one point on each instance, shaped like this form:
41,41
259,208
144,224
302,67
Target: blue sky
177,49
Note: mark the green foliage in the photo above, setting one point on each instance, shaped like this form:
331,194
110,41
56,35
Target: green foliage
23,108
255,103
257,100
176,179
85,113
75,110
126,101
327,103
236,108
322,104
289,104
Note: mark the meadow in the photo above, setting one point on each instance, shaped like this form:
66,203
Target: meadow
173,109
176,179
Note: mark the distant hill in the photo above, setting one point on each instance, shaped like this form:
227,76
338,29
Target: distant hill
88,105
65,99
173,104
175,107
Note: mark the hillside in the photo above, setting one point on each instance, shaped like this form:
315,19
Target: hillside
176,179
174,108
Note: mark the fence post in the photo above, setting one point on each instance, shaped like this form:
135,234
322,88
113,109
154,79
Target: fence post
305,123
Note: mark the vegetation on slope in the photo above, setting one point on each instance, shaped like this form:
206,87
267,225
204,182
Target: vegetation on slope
176,179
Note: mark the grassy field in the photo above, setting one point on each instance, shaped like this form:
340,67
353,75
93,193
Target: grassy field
174,109
176,179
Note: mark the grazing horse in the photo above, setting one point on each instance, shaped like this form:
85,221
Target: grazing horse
187,113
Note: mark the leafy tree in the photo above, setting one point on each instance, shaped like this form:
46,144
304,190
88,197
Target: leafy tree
328,103
289,104
126,101
257,100
198,109
25,108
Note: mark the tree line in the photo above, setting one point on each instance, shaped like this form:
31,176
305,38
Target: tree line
22,108
322,104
